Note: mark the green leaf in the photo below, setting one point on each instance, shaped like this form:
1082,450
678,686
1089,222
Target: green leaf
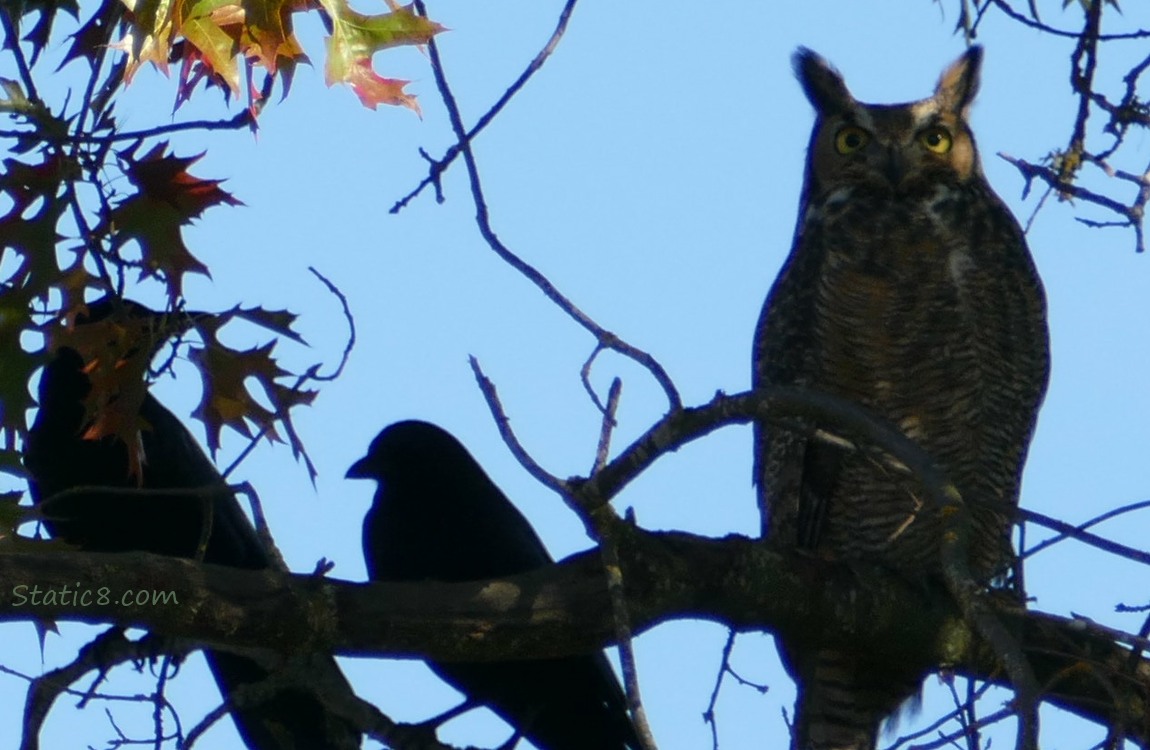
356,37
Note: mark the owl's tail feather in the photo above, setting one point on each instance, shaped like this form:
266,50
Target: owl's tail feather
843,699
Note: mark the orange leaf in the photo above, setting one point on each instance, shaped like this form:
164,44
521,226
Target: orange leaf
117,351
373,90
149,38
268,35
212,30
355,37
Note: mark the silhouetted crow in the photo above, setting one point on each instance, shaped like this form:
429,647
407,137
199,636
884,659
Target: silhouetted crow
437,516
110,520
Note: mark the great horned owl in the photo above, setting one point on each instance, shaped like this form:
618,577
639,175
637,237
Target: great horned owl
909,290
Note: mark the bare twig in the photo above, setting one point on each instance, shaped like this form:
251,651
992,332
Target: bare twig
1083,63
608,425
954,715
502,421
313,372
1085,624
724,670
160,703
1038,207
1052,178
950,738
1132,214
967,713
585,378
1078,533
603,337
106,651
275,557
1132,507
439,166
602,523
709,713
1038,25
241,120
606,526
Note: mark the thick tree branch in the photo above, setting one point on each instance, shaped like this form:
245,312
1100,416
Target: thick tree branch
566,608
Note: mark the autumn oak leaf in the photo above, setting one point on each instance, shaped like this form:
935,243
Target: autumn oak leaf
355,37
166,178
168,198
12,514
228,375
210,39
212,30
211,33
227,401
267,33
374,90
156,226
277,321
28,228
18,364
94,35
117,352
150,35
46,11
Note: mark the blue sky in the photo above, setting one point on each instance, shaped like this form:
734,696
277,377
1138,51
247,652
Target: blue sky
652,171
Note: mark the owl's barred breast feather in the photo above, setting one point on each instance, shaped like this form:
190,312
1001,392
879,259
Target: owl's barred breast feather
909,290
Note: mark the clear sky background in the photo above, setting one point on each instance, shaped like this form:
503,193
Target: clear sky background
652,171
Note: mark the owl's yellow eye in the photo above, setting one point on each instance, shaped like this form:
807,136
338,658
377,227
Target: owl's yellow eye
851,139
936,139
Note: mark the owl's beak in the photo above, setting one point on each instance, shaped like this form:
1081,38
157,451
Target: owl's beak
895,167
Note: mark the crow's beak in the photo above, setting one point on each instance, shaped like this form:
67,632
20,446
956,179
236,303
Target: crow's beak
359,470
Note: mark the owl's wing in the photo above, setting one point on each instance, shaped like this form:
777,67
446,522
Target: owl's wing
821,468
799,481
796,474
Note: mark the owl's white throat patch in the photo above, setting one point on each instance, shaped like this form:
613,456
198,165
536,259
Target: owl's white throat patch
819,210
958,263
939,207
837,197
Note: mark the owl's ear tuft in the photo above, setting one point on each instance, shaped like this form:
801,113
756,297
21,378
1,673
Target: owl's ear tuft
823,85
959,83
